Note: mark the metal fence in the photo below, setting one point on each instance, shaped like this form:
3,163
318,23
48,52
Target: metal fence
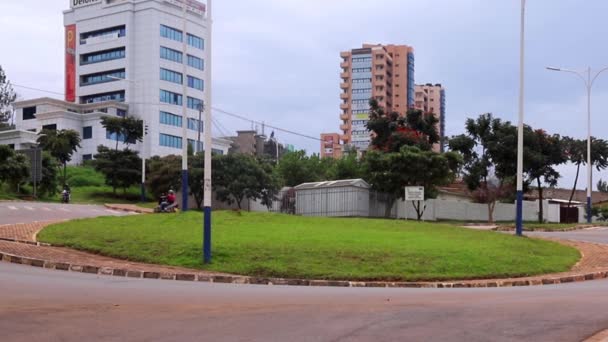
334,202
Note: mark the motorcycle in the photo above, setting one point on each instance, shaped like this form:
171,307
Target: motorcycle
65,197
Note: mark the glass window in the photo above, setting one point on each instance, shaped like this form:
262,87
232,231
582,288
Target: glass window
102,77
171,76
195,125
115,137
170,119
196,62
29,113
171,98
120,112
87,132
170,141
51,127
113,96
193,144
102,56
171,33
195,83
171,55
119,31
196,42
86,157
194,103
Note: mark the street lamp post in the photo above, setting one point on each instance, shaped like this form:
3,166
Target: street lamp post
143,144
520,127
589,80
208,142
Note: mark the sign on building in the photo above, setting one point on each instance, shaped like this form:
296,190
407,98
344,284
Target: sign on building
414,193
82,3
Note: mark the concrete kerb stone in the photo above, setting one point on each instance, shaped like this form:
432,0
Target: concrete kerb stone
223,279
228,279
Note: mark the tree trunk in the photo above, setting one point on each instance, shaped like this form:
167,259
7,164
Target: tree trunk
540,201
419,213
578,169
64,173
389,207
491,207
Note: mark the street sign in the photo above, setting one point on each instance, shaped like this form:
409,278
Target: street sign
414,193
35,157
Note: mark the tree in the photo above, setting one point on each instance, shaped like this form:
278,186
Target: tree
164,174
392,131
347,167
129,130
238,177
296,168
392,172
546,152
120,168
196,180
602,186
488,160
576,153
14,168
7,97
61,145
48,182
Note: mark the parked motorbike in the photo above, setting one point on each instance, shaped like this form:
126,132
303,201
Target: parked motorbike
65,196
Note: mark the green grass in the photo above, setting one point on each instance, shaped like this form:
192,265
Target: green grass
273,245
87,186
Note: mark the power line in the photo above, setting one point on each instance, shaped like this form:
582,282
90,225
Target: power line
214,108
265,124
36,89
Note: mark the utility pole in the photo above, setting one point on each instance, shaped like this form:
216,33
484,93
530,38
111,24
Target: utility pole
208,141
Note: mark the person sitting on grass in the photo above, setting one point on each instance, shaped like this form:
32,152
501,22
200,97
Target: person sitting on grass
171,200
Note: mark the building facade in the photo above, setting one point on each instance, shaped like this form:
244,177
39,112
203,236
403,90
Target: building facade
146,54
259,145
382,72
330,146
430,98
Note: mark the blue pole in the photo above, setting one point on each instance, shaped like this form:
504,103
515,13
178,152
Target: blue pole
519,224
207,235
184,190
143,192
589,213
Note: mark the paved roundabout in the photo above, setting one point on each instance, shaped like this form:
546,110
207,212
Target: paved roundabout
40,304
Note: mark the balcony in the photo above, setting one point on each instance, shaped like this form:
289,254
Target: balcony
345,75
344,85
344,106
344,116
344,96
345,54
345,138
345,127
345,64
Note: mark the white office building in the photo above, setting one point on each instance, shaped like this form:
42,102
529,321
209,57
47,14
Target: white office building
141,58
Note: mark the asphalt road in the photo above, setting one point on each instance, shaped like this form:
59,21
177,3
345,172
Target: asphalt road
43,305
595,235
25,212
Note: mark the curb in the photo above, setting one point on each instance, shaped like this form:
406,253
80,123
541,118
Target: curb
511,229
602,336
228,279
131,210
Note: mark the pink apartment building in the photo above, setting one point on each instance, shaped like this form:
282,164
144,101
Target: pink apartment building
383,72
431,99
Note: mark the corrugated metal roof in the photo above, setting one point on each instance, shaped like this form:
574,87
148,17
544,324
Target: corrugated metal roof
359,183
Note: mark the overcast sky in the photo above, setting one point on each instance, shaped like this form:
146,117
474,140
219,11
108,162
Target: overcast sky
278,60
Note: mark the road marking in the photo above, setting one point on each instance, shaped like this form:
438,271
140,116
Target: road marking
29,208
112,211
12,208
64,209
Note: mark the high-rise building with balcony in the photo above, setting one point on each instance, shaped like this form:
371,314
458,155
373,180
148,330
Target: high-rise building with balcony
141,58
430,98
382,72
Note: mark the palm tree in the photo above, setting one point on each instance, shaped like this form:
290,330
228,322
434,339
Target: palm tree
61,144
576,151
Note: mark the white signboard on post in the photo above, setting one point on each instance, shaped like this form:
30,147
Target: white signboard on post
414,193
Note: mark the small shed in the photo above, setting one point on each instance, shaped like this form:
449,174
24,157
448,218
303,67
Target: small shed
340,198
